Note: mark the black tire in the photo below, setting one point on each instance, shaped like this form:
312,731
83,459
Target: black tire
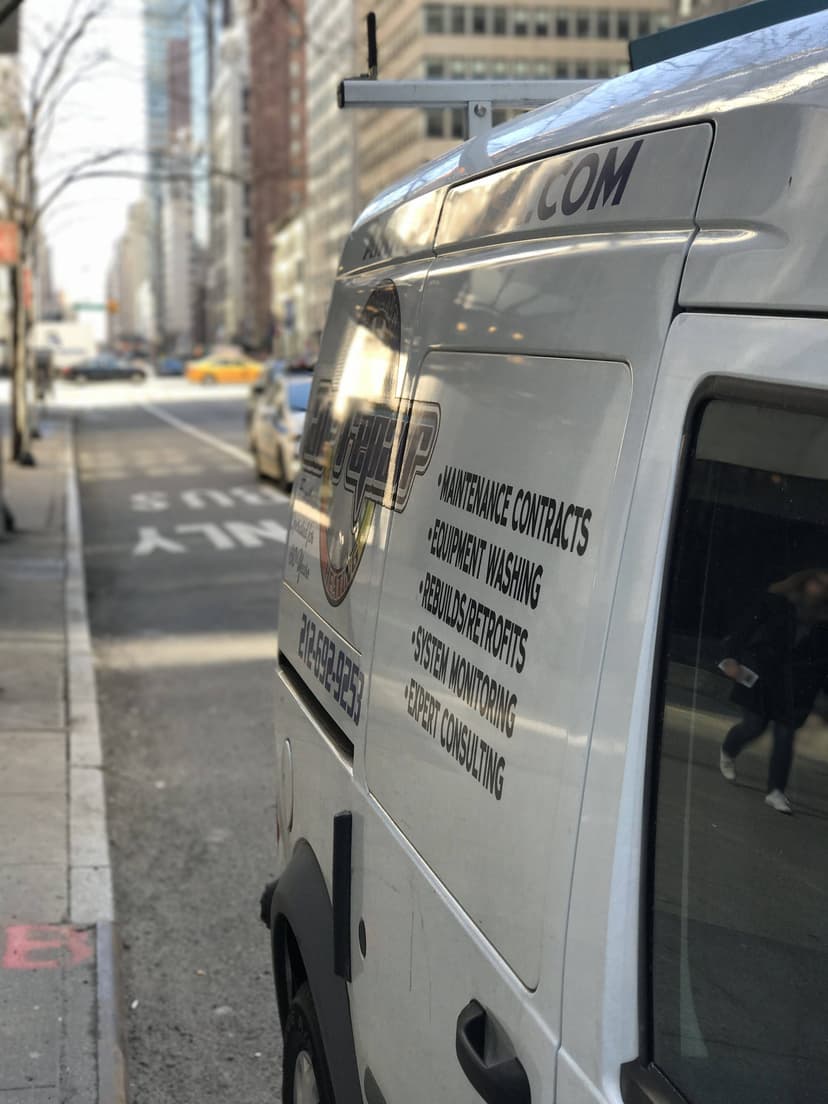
138,377
303,1046
257,460
281,478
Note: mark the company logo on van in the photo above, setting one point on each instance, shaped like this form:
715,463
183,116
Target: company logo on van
367,450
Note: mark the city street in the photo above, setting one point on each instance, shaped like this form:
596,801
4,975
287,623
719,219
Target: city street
183,553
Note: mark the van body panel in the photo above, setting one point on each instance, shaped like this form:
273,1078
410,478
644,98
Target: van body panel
403,231
651,180
480,678
601,1013
338,533
761,244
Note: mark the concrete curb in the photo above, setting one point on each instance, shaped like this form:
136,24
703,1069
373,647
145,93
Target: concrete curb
90,872
112,1074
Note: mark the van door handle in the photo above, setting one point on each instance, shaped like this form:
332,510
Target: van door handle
500,1083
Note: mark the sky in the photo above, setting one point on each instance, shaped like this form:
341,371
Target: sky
104,112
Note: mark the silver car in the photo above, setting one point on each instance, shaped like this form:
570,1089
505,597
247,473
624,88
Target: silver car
276,426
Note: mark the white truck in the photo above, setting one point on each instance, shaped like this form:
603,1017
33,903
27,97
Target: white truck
68,342
565,466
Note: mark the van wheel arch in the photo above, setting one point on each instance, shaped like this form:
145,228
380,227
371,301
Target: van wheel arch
301,926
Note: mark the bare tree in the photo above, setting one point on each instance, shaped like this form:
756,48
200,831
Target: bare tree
61,61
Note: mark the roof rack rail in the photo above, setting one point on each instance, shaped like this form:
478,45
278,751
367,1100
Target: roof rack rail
685,37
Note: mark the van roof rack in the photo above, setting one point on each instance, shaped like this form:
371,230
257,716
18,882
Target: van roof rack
710,29
478,98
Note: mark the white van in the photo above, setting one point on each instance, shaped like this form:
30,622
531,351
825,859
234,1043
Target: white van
566,456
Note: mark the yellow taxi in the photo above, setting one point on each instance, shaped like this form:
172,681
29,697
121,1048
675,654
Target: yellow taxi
223,366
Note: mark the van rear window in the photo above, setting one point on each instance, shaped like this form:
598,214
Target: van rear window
739,889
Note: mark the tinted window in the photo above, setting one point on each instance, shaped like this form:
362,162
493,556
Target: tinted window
299,393
740,888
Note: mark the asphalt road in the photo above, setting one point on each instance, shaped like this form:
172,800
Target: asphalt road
183,556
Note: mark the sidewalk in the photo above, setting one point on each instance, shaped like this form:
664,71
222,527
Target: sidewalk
60,1016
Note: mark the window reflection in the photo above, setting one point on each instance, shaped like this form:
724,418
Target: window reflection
740,892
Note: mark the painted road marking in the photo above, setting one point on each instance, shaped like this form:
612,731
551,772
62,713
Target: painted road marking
149,502
222,537
200,435
45,947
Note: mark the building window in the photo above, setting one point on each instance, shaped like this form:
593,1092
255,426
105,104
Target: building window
500,69
458,69
435,19
520,25
458,123
582,25
542,23
458,19
602,70
435,68
562,25
499,21
479,20
543,69
737,982
480,70
602,23
582,70
644,25
561,70
623,25
434,123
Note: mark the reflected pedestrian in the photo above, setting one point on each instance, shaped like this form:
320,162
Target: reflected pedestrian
779,661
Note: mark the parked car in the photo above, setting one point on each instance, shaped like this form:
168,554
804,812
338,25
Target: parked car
105,368
278,419
223,367
170,366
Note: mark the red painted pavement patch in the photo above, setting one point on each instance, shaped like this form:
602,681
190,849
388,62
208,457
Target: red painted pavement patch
45,946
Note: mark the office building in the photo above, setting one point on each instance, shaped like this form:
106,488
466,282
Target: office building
277,139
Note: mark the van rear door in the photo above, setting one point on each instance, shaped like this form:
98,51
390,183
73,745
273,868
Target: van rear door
697,954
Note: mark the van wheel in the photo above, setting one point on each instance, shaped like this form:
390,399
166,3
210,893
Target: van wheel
305,1077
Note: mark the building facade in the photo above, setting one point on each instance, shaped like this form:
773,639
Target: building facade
277,140
230,307
130,278
289,257
333,44
177,246
166,25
